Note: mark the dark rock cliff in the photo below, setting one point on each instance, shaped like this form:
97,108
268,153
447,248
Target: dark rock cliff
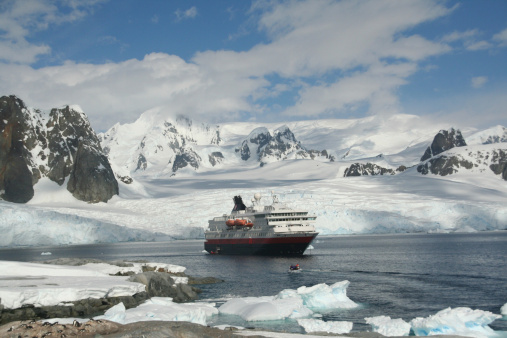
444,140
55,145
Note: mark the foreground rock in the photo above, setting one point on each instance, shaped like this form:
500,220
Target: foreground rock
159,283
104,328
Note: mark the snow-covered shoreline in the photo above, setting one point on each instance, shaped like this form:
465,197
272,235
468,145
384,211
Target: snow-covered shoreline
46,284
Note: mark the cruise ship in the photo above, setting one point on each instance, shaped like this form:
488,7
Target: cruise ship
271,230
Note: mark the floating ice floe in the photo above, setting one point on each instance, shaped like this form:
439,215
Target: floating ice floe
161,308
459,321
389,327
503,310
317,325
289,303
46,253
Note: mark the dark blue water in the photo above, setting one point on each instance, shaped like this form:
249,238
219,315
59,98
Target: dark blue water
402,276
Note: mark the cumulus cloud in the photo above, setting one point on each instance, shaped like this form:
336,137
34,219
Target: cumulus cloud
335,56
479,81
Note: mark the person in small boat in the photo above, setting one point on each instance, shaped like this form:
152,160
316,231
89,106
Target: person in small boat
294,267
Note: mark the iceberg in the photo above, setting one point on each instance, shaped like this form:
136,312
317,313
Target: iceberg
290,303
161,308
317,325
265,308
389,327
325,297
503,309
459,321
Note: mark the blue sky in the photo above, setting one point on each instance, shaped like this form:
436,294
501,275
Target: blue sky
259,60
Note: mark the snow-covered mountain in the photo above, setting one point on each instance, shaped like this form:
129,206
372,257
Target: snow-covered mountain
358,176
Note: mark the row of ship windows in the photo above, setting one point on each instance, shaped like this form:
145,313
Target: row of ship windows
290,214
242,235
292,219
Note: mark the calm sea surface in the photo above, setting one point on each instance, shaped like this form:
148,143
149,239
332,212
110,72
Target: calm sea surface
401,276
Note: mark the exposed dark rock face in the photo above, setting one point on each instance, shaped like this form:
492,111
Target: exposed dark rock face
259,137
276,146
281,144
35,145
81,308
317,153
92,179
187,157
444,165
215,158
499,163
244,151
444,140
367,169
16,178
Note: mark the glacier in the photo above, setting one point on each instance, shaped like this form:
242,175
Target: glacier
156,206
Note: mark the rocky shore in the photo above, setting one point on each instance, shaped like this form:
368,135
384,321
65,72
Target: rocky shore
158,284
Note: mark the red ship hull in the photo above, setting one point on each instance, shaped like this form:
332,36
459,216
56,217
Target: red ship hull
271,246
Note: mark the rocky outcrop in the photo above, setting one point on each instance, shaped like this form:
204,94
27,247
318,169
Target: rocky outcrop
162,285
187,158
16,176
263,146
499,163
371,169
35,144
257,139
444,165
215,158
92,179
444,140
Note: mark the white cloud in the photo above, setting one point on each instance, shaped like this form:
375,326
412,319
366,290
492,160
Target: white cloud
338,55
479,81
501,38
19,18
375,86
469,38
186,14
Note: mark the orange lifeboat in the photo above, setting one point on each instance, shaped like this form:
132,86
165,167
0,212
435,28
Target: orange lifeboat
249,224
229,222
239,222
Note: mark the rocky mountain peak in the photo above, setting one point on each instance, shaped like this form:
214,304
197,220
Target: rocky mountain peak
34,144
444,140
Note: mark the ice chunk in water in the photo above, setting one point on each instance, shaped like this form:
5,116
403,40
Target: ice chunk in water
503,310
290,303
265,308
459,321
161,308
317,325
389,327
325,297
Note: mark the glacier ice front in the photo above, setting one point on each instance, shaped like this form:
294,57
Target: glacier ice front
289,303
